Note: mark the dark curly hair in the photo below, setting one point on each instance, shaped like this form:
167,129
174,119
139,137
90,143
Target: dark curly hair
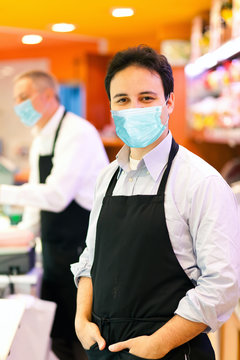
142,56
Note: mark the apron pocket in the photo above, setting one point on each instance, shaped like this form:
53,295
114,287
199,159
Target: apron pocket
180,353
93,347
128,355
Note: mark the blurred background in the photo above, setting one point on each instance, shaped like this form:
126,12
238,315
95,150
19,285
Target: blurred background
75,40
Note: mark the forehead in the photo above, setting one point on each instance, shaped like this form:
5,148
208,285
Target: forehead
24,85
135,79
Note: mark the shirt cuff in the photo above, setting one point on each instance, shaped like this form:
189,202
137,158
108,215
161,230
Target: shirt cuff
198,312
80,270
9,194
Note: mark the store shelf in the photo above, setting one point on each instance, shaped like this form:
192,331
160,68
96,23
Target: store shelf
213,75
213,96
214,58
230,137
21,177
223,136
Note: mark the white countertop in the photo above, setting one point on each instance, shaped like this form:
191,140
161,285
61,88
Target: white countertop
29,278
11,312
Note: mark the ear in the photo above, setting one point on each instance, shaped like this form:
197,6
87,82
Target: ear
170,103
49,93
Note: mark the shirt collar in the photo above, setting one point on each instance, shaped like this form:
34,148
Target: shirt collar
51,125
154,160
157,158
123,158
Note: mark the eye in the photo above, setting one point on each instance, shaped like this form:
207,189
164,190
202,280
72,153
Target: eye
147,98
23,97
122,100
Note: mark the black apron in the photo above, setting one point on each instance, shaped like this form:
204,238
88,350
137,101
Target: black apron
63,239
137,279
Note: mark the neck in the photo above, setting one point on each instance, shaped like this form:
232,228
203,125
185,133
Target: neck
139,153
47,116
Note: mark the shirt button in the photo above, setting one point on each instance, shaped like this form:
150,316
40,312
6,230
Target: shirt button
148,172
130,179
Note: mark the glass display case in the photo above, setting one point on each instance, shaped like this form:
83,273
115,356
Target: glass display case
213,101
213,77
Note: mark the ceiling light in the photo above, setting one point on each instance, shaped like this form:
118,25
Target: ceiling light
122,12
63,27
31,39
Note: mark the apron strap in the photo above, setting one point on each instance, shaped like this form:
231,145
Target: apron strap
161,189
172,154
57,132
113,182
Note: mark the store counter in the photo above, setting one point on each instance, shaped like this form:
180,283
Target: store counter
32,340
29,283
25,327
18,271
11,312
20,284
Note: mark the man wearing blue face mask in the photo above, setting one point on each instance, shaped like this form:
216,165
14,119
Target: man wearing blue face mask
161,266
65,159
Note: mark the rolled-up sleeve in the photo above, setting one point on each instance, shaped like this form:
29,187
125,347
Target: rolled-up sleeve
82,267
214,226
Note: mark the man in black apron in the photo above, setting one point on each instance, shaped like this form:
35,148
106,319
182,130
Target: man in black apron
61,186
127,302
62,241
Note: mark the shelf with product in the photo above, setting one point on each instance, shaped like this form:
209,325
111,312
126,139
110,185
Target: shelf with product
213,103
213,81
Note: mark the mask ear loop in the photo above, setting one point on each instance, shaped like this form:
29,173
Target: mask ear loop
165,103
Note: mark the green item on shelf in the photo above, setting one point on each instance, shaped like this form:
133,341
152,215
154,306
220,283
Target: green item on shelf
15,218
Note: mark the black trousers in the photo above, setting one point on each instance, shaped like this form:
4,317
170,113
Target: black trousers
68,349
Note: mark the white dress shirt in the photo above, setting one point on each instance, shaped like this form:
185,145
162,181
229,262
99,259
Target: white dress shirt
203,223
79,157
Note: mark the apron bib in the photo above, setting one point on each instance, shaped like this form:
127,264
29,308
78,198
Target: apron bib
137,279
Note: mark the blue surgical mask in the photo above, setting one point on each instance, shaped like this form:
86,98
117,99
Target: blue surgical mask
28,115
139,127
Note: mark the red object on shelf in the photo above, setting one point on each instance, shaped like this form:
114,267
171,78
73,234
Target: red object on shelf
21,177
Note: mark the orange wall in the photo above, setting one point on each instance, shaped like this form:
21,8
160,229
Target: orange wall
163,32
82,62
97,103
67,61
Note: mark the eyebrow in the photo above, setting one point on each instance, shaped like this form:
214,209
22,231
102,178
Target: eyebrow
141,93
119,95
21,95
